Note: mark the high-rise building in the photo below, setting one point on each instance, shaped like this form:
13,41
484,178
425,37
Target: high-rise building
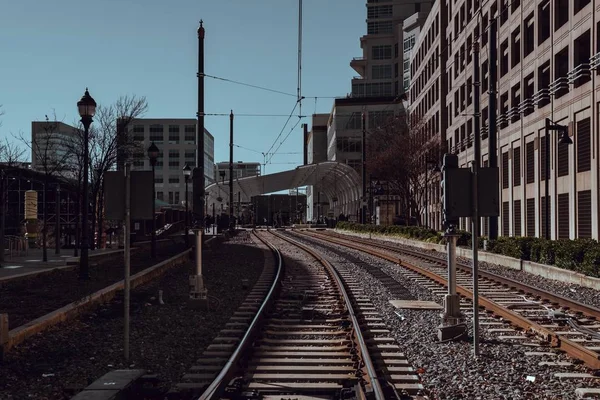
381,67
241,169
51,147
548,57
176,140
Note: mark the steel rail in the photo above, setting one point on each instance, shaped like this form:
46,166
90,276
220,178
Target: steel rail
589,357
371,373
214,390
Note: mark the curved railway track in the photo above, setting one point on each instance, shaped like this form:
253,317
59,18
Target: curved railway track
304,331
564,323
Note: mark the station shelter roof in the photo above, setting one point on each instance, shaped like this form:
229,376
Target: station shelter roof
335,180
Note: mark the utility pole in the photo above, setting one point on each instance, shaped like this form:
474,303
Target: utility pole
492,130
231,224
3,199
363,215
57,222
475,191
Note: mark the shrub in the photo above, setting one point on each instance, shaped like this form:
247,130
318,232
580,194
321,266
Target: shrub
591,262
569,254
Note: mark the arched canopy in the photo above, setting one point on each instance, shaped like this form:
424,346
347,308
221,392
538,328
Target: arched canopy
332,178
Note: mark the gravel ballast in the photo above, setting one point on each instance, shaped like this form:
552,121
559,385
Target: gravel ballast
449,370
575,292
165,339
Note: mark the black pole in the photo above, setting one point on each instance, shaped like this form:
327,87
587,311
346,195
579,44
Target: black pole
198,176
492,110
153,233
239,207
231,225
363,216
547,180
57,222
187,226
4,200
84,272
426,194
45,225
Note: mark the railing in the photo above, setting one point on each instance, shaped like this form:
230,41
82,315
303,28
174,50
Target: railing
16,245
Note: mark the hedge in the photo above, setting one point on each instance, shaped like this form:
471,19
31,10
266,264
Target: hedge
580,255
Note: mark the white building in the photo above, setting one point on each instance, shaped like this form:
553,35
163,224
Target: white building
51,143
176,140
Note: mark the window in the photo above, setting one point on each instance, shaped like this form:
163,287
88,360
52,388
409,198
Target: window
396,50
190,133
406,66
378,118
563,158
170,197
160,196
190,154
530,216
529,92
346,144
379,27
516,99
173,179
584,214
582,56
517,221
354,122
578,5
562,17
409,43
505,220
176,198
173,154
542,157
563,215
174,133
530,162
379,12
515,55
561,69
156,133
543,21
138,133
381,72
528,35
158,179
383,52
544,82
504,58
505,170
173,164
583,145
517,166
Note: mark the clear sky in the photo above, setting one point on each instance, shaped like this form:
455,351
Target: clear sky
52,50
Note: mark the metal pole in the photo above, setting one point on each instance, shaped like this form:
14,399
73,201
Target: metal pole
492,96
475,219
426,194
231,226
239,208
547,180
127,258
57,222
364,170
84,272
187,226
4,200
198,175
153,234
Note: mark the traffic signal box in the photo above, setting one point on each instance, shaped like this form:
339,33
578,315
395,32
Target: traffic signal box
457,191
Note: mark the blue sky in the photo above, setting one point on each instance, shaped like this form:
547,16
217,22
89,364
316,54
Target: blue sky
52,50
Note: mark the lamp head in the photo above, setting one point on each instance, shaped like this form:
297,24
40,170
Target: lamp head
87,105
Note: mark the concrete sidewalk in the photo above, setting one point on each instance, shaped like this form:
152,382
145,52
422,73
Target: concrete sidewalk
32,263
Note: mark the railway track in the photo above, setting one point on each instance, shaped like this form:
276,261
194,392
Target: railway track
564,323
305,331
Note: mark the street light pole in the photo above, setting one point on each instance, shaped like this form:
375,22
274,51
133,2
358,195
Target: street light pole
363,216
153,156
187,171
57,222
87,108
231,225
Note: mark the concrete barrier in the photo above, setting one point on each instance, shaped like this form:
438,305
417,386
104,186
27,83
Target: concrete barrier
70,311
546,271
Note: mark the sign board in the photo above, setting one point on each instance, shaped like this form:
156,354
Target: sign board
142,195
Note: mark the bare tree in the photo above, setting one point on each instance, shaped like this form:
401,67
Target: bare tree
50,158
108,142
399,150
10,153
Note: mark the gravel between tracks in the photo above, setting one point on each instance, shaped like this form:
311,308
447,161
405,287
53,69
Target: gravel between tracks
450,371
165,339
575,292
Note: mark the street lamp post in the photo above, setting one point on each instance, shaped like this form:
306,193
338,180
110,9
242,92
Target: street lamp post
57,221
187,171
564,139
87,108
153,157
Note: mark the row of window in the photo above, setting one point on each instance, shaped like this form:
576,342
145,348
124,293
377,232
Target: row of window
172,199
371,89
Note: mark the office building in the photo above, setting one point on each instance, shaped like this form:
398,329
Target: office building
176,140
52,147
241,169
547,63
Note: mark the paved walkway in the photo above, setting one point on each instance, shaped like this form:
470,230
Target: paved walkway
32,262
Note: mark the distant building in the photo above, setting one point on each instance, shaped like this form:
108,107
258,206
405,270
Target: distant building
241,169
176,140
51,143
